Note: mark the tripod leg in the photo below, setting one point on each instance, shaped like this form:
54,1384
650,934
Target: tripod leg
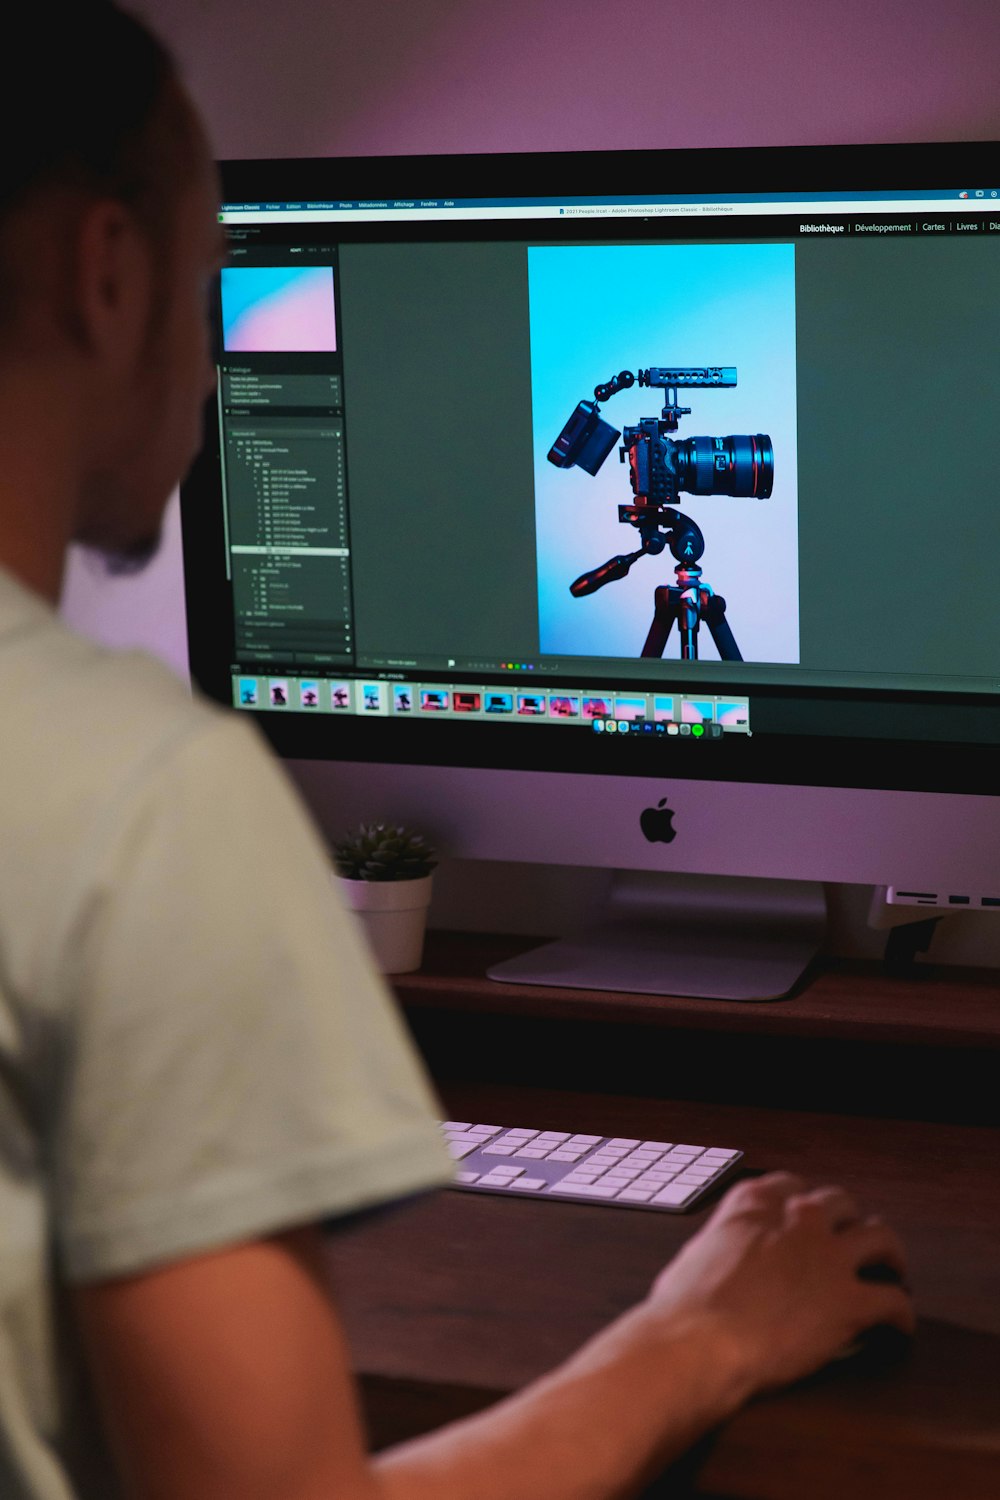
664,614
714,614
688,619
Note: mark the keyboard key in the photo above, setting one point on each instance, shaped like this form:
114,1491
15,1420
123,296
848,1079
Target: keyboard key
620,1140
530,1184
498,1150
634,1195
455,1125
585,1190
466,1177
675,1195
585,1140
458,1149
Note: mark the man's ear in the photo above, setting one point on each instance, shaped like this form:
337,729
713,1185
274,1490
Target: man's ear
113,282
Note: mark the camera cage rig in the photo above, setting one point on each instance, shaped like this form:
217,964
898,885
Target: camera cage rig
659,468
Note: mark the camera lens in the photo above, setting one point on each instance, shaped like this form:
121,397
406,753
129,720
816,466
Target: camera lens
740,464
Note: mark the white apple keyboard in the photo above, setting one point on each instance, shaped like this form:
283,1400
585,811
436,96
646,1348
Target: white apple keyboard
665,1175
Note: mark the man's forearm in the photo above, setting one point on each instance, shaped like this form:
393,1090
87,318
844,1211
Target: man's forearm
597,1428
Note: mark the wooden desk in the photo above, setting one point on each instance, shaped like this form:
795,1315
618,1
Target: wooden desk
886,1086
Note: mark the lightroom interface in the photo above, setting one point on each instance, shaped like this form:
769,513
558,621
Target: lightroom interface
506,469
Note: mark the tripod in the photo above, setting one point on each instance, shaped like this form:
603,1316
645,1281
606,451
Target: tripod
688,601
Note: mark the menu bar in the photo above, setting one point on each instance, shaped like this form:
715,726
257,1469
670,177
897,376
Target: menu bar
982,201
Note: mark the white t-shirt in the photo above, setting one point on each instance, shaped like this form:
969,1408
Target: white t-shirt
194,1048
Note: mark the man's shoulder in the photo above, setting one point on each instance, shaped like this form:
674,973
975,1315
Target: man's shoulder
83,722
90,699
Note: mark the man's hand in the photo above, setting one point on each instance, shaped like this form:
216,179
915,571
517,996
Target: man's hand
775,1273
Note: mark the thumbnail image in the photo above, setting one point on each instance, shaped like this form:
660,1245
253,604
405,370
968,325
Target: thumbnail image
434,700
596,708
248,692
564,708
279,693
373,698
402,698
278,309
697,711
733,715
499,703
663,708
340,695
630,708
466,702
596,310
531,704
309,694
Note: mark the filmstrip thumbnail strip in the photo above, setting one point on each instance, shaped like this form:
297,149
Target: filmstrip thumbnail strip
674,712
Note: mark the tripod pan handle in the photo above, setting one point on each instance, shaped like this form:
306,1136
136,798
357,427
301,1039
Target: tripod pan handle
615,567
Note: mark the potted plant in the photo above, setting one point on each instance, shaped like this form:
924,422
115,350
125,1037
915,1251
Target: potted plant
384,873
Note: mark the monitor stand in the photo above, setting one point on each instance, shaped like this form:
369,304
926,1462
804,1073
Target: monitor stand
707,937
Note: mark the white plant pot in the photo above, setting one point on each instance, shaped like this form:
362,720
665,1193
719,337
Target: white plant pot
393,914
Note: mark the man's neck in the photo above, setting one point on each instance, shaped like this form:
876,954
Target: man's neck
38,487
41,573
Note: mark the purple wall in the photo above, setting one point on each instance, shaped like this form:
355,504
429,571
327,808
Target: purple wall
439,75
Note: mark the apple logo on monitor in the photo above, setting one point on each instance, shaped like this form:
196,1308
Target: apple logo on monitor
657,823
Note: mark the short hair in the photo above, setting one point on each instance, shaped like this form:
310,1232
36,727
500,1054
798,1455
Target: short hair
90,102
82,87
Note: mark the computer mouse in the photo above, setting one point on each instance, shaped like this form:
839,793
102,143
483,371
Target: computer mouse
880,1346
883,1344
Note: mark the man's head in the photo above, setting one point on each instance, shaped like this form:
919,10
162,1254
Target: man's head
107,241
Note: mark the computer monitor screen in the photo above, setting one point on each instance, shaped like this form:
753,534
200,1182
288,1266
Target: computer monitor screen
667,484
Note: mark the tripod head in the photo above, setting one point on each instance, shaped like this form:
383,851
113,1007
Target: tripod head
680,534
